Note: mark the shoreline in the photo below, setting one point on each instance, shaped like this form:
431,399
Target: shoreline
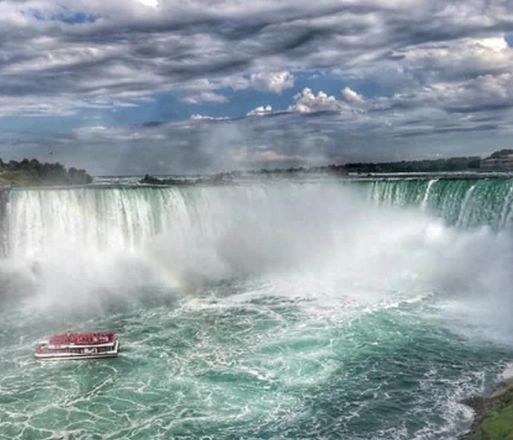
173,181
493,418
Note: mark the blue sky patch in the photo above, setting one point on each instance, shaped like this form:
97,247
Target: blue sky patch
131,83
509,39
63,15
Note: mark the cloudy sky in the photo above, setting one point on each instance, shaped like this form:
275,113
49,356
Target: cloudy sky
168,86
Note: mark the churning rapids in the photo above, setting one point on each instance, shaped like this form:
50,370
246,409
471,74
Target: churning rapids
264,310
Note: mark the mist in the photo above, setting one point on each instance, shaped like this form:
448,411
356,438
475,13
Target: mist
85,251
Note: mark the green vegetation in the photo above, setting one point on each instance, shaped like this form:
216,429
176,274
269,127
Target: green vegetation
34,173
150,180
418,166
216,179
452,164
494,418
498,425
501,153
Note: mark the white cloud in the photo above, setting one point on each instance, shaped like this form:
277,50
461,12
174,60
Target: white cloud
205,97
145,46
351,96
441,66
274,82
458,59
261,111
198,117
463,75
270,81
308,102
150,3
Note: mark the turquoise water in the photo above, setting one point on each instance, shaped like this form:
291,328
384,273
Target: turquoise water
466,202
263,311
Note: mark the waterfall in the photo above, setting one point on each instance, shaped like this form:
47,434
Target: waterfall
125,217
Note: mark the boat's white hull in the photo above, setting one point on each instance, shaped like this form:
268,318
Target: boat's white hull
77,356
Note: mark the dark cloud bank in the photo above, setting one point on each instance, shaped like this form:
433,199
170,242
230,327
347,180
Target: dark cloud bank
417,79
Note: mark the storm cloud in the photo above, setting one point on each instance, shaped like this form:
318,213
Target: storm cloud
139,86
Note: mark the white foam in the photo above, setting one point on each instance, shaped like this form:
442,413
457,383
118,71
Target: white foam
507,373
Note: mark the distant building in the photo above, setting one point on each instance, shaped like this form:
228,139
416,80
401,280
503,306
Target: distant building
501,163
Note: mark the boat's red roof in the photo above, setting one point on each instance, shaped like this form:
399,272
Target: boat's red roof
83,338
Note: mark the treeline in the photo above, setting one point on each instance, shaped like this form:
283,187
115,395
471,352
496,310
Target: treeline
501,153
151,180
215,179
453,164
471,163
417,166
34,173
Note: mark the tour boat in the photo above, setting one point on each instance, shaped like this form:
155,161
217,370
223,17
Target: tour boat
78,346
